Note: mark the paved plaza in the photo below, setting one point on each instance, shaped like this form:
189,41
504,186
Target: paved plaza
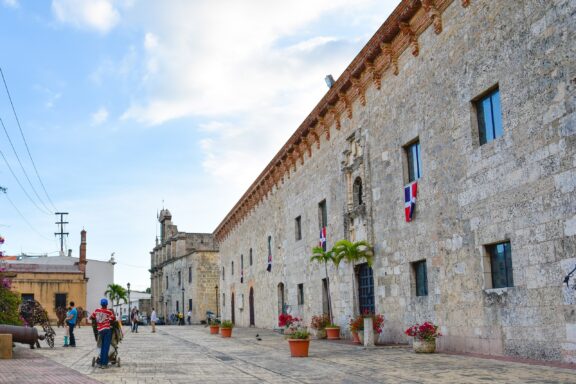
189,354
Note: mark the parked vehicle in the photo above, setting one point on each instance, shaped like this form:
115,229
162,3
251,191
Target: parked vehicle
125,320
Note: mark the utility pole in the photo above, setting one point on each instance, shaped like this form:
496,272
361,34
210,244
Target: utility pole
61,233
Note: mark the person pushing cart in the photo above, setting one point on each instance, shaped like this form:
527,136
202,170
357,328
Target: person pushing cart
104,319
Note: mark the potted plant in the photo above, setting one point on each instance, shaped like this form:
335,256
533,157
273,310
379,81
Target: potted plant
424,337
319,324
214,326
333,332
226,328
288,322
357,326
298,339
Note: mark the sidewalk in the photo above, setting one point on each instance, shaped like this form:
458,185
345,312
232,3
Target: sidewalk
189,354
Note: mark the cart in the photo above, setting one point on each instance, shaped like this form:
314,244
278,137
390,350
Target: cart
117,335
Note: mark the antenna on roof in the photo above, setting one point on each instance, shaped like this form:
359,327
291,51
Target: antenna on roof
329,81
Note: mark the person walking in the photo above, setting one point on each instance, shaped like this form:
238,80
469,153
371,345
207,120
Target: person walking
104,318
189,316
71,318
153,320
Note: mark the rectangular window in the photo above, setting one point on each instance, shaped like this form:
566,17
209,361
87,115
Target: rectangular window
189,274
28,297
501,264
189,304
300,294
179,278
177,306
420,277
298,228
250,256
489,117
166,282
223,299
365,288
414,161
60,300
322,214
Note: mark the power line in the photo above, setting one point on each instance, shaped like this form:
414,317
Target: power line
20,184
23,138
22,216
22,166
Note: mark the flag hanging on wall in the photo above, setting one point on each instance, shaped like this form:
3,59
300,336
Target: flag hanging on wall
322,242
241,275
410,192
269,267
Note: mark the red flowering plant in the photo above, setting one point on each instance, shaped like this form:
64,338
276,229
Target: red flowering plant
356,324
427,331
320,321
285,320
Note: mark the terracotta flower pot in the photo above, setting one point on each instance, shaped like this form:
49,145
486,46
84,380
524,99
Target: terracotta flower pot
299,347
214,329
226,332
355,337
424,346
333,333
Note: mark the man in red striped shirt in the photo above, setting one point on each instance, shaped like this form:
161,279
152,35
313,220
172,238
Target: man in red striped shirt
104,318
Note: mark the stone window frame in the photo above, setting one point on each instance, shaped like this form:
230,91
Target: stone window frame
190,275
415,268
488,265
179,278
166,282
298,228
223,273
322,214
357,191
251,260
407,165
232,268
475,116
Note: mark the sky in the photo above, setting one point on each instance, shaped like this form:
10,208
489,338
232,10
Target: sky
125,107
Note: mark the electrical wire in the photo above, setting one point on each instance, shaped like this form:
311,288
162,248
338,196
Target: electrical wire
25,143
20,184
24,218
22,166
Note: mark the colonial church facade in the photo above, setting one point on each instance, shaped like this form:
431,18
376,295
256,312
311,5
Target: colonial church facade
449,144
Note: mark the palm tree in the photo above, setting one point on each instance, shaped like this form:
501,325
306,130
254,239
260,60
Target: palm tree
321,256
351,253
116,293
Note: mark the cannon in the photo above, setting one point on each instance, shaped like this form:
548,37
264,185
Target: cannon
24,335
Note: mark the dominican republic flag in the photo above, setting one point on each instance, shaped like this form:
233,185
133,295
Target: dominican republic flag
410,200
269,267
322,242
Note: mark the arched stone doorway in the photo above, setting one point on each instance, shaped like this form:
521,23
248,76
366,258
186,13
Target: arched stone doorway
232,315
251,301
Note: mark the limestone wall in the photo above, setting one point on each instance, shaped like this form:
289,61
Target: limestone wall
517,188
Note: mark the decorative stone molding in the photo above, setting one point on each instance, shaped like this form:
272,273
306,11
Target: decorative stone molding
398,33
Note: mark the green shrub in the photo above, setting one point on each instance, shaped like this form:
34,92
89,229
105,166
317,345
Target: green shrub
9,302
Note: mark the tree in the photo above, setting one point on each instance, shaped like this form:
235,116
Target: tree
352,253
116,293
321,256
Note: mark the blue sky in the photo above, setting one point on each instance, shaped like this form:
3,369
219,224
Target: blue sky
129,105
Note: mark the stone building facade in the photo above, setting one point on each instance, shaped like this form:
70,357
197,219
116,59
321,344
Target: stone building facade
184,271
472,101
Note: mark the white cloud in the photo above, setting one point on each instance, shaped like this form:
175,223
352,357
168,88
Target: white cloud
100,15
11,3
100,116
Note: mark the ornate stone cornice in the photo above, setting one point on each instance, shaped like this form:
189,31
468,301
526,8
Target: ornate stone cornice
398,33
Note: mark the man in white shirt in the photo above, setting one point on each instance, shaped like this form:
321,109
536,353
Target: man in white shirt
153,320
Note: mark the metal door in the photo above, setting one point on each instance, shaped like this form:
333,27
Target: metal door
251,300
366,288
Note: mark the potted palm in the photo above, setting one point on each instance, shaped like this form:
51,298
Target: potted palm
424,337
226,328
321,255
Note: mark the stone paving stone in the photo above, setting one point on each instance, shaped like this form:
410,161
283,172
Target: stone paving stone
189,354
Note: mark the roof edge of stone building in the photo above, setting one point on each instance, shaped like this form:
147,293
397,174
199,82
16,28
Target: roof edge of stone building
399,32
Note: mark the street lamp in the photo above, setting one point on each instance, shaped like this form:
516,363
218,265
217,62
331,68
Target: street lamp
217,306
128,285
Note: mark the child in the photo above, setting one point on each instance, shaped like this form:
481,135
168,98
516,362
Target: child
66,329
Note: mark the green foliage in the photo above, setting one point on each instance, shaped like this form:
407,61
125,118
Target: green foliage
321,256
227,324
9,302
300,334
352,252
116,293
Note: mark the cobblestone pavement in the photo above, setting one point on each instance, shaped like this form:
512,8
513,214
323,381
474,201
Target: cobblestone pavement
189,354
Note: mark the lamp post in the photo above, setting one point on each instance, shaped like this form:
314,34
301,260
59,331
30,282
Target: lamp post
128,285
217,306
